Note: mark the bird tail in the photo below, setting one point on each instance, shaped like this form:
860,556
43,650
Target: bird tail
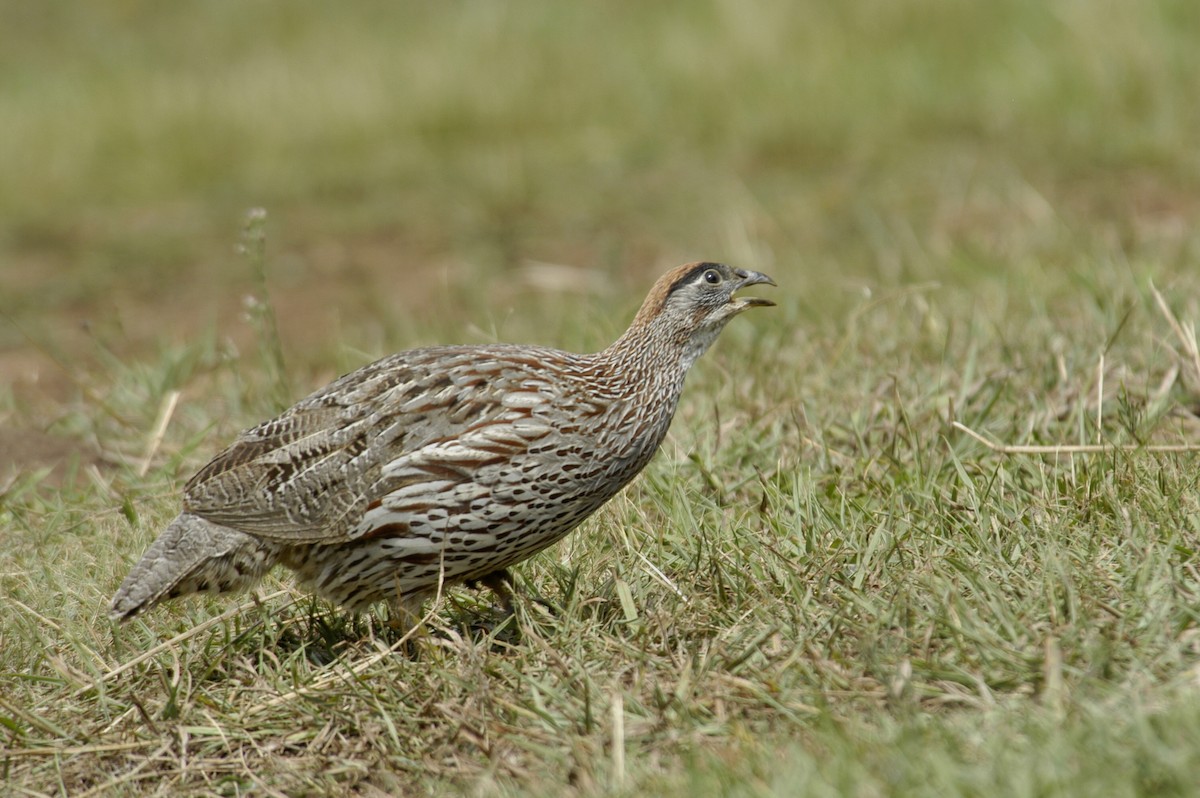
193,555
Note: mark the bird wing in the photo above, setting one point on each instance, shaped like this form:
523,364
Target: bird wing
310,474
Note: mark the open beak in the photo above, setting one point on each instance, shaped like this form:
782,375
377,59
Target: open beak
747,278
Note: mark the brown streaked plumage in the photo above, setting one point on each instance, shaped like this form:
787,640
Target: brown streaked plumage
441,464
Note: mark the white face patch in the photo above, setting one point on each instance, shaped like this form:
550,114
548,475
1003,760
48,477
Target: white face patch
699,343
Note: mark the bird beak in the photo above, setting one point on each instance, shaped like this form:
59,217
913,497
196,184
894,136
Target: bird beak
752,278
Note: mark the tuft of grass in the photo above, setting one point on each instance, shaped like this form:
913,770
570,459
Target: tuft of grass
261,312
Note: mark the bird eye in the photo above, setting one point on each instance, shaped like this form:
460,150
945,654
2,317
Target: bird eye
712,277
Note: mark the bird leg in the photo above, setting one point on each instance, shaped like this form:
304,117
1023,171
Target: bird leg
406,614
499,582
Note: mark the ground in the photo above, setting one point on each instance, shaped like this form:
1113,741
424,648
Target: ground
983,222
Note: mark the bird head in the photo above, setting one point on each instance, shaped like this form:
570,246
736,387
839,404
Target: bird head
692,303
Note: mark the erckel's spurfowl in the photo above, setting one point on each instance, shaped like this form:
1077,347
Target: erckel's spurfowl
449,463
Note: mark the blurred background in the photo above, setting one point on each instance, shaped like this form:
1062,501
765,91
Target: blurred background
966,206
522,171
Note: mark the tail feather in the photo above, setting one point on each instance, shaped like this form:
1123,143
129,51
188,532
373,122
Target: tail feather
193,555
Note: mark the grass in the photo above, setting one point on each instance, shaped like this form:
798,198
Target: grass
820,587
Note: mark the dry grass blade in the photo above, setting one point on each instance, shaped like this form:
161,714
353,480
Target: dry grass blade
618,739
657,573
78,750
165,411
1185,335
1097,448
35,614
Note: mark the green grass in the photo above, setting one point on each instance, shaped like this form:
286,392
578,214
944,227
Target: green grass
821,586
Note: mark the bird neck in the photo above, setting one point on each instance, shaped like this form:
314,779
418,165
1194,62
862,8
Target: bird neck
651,359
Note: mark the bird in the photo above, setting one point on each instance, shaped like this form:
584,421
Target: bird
438,465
